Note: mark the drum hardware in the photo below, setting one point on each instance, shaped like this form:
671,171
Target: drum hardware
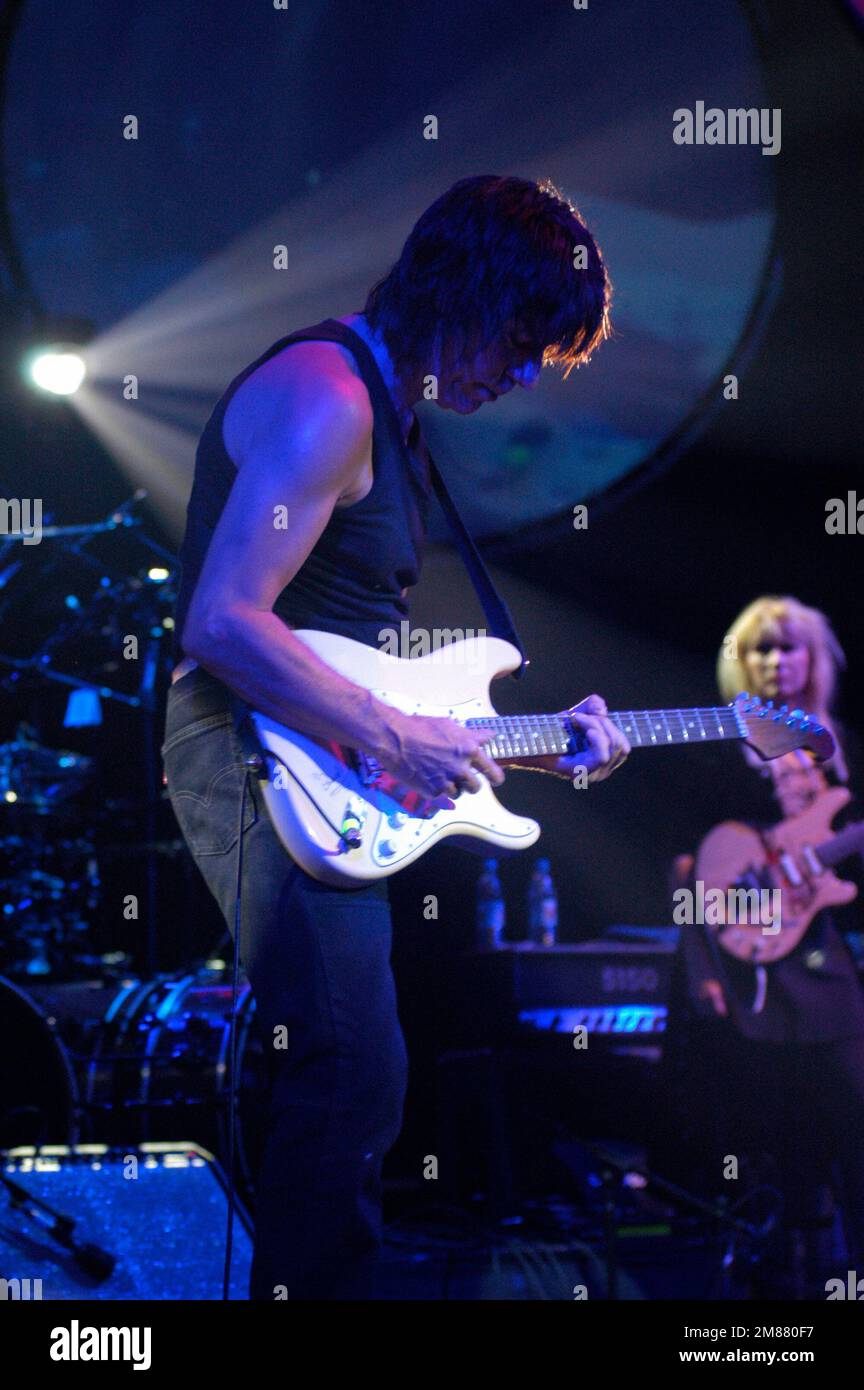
119,603
32,775
84,652
92,1260
148,1060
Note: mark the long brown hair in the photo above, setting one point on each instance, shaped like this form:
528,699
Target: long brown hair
496,254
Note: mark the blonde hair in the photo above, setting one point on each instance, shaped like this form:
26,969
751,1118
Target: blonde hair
773,616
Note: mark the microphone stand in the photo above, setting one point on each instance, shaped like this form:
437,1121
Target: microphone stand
95,1262
735,1227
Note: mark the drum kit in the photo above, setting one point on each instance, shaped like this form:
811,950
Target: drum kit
49,872
91,1049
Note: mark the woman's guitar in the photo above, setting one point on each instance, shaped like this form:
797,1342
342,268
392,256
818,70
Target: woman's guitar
795,857
347,822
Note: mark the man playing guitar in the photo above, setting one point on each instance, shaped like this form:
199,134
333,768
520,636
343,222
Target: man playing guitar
308,510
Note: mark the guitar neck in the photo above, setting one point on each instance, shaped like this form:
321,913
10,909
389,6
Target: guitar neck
529,735
848,841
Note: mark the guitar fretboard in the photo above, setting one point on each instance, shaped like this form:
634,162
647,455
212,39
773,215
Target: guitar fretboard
849,840
532,735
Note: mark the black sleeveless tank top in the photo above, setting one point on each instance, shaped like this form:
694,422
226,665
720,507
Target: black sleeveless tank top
355,580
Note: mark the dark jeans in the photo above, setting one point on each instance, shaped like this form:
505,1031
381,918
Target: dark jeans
318,960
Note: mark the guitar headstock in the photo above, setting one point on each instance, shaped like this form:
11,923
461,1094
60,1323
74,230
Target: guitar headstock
773,732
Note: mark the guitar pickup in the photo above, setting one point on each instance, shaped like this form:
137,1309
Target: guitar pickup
790,869
812,860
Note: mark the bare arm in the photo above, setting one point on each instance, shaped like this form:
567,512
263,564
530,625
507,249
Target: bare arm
301,441
300,433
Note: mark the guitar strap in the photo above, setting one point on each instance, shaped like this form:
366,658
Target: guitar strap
495,609
497,616
497,613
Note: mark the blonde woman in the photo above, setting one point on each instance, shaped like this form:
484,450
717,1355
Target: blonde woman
781,650
785,1042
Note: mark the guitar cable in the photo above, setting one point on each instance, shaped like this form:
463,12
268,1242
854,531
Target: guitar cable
252,761
268,752
248,765
261,753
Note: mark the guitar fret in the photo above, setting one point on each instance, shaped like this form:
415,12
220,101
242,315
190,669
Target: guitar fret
544,735
627,724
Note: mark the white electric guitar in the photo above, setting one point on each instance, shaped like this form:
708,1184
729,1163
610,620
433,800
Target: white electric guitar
347,821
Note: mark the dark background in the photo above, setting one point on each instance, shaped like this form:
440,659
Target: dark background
634,607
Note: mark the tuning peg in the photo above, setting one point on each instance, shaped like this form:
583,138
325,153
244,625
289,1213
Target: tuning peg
780,713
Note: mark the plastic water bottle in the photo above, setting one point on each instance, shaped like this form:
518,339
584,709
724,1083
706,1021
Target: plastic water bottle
542,906
491,909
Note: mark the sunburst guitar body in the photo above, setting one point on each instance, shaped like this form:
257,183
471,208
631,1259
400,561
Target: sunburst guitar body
794,857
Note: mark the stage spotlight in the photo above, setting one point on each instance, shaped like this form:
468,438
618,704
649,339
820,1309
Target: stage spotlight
58,369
